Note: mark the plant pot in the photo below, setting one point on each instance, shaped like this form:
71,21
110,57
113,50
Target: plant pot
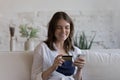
29,45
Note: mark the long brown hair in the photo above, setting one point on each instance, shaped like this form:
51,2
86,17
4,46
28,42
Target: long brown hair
51,31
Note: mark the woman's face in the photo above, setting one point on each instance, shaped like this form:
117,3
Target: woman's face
62,30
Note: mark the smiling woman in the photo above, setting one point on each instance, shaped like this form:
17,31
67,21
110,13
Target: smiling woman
62,30
49,61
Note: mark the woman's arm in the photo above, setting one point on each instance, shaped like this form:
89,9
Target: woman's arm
47,73
79,62
78,75
37,64
57,62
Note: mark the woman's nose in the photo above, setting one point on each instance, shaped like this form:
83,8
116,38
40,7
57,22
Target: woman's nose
63,30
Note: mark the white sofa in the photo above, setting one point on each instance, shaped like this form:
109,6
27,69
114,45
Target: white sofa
15,65
100,65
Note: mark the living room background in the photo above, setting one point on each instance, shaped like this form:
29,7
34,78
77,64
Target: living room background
101,17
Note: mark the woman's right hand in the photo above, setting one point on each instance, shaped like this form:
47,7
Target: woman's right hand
58,61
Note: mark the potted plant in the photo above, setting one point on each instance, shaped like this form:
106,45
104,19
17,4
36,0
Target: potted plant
29,33
82,42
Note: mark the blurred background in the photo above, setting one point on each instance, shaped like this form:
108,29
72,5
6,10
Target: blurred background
100,17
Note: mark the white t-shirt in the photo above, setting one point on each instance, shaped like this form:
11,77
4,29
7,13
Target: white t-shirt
44,58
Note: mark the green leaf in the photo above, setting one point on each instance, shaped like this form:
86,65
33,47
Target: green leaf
91,42
28,32
33,33
82,41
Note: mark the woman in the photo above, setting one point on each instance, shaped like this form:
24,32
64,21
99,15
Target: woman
48,63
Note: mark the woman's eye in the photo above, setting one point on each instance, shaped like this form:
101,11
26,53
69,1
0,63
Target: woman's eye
67,27
58,27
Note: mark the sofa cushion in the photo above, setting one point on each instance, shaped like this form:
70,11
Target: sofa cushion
102,65
15,66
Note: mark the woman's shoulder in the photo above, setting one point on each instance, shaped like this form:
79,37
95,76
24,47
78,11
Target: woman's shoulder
42,44
76,51
76,48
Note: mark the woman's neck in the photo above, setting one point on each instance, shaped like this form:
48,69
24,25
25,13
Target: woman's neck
60,47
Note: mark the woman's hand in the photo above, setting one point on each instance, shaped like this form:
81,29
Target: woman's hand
79,62
58,61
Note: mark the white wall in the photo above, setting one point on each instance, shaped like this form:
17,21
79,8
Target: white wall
12,6
100,16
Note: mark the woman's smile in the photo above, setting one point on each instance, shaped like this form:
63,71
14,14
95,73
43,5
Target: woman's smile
63,30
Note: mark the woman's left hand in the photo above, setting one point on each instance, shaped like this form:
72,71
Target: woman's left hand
79,62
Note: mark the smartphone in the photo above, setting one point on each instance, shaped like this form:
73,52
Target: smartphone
81,55
67,58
